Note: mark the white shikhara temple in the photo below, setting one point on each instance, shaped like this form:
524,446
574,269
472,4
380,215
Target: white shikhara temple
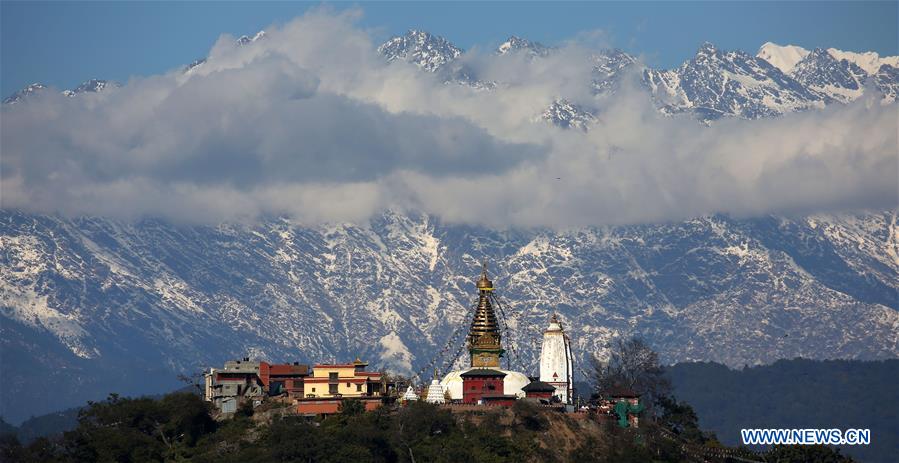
555,360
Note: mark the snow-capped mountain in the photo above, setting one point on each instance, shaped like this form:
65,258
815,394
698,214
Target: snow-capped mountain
609,67
517,45
429,52
104,305
717,83
841,80
783,57
241,41
25,92
713,84
869,61
568,116
88,86
246,40
194,64
91,86
839,75
887,82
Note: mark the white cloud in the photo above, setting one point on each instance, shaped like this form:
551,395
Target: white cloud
312,123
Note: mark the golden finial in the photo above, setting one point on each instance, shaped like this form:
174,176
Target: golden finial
484,284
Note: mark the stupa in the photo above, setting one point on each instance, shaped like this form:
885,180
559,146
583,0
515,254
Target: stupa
485,347
410,395
435,391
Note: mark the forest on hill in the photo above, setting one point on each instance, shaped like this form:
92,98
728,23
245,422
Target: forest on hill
797,393
179,427
789,393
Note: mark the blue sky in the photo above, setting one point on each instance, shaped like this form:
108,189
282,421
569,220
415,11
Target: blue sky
63,44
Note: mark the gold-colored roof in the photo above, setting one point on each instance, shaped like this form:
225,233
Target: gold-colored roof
484,284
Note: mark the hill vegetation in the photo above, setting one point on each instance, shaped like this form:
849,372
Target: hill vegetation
179,427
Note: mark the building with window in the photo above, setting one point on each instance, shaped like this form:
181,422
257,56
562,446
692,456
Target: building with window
539,390
287,379
238,381
343,381
478,383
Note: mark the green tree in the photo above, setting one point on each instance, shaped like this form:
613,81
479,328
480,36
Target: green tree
681,419
142,429
350,407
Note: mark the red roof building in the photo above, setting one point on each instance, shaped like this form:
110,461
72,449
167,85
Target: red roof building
479,383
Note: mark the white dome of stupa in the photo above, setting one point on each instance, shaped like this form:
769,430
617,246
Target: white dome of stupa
512,383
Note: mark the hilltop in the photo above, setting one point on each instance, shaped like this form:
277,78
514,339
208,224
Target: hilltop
180,427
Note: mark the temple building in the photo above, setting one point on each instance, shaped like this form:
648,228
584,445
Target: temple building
485,348
555,360
539,390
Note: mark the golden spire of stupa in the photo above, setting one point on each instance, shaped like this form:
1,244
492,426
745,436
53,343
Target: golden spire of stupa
484,336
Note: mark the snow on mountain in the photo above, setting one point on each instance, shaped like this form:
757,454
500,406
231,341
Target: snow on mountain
194,64
717,83
517,44
608,69
841,80
245,40
429,52
241,41
98,303
887,82
30,89
91,86
88,86
783,57
567,115
869,61
836,74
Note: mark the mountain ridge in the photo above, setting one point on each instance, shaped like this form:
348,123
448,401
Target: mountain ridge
710,85
155,296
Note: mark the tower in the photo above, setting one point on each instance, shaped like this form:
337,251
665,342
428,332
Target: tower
555,360
484,345
484,337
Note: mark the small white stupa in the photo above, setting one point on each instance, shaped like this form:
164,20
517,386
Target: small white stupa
410,395
435,391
